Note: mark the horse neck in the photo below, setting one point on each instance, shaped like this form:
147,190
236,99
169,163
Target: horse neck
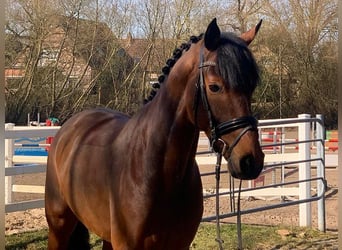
166,133
172,136
172,105
172,124
181,139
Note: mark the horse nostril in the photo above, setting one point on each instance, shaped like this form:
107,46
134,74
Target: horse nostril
248,167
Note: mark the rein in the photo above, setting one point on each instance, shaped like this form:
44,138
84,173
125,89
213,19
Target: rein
232,203
245,123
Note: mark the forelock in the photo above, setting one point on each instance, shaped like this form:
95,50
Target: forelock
236,64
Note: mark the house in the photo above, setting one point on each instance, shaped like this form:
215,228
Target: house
76,48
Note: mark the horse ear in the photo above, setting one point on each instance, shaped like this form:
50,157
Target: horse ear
212,36
249,36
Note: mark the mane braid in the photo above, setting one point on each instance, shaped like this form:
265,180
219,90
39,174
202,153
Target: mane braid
177,53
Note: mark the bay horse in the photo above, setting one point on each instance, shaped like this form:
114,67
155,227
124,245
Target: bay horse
134,181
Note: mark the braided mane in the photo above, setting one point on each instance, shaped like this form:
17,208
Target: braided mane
177,53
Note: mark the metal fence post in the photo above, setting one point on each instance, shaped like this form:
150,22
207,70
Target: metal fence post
320,135
304,172
8,163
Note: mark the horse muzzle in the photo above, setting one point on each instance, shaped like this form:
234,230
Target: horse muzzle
244,155
245,159
247,167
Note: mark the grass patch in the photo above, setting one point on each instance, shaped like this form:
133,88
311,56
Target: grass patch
37,240
29,240
253,237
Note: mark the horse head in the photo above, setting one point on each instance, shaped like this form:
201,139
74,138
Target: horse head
228,75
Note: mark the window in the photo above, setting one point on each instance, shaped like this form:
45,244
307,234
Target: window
47,57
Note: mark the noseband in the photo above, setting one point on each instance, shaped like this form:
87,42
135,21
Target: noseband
217,130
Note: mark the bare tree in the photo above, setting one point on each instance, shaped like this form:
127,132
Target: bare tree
296,50
33,28
64,58
298,34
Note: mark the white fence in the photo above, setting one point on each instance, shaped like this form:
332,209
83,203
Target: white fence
302,158
305,160
12,167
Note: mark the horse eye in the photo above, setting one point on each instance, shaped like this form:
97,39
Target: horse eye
214,88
